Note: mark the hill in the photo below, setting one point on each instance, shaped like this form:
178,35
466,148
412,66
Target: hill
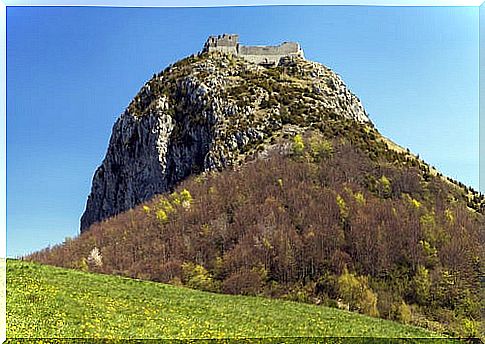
206,113
45,301
274,182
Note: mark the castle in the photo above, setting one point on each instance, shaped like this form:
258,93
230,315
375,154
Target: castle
268,56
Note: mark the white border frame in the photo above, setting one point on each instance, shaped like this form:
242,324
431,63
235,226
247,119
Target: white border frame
176,3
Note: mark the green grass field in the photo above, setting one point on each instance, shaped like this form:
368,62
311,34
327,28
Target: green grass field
45,301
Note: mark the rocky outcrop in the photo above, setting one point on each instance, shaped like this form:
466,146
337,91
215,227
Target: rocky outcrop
204,113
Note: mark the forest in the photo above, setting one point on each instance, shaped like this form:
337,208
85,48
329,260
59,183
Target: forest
333,217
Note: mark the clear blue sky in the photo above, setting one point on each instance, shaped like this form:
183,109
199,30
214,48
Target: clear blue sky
72,71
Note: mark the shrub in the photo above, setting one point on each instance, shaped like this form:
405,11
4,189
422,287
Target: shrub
359,197
344,210
82,265
298,145
197,277
166,206
169,271
404,313
162,215
356,292
469,328
421,285
320,148
368,302
95,258
298,294
243,282
185,196
385,186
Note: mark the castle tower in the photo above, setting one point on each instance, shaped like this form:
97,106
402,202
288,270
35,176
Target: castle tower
226,43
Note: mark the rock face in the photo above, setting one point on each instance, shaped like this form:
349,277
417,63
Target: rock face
208,112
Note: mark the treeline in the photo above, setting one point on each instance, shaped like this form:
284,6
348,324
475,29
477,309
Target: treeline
329,224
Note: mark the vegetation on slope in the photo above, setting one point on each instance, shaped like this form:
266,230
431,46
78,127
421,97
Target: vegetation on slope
336,219
45,301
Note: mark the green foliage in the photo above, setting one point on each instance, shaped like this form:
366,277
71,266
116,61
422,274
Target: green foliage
342,205
385,186
298,294
430,252
356,292
280,182
298,145
49,302
404,313
197,277
320,148
166,206
359,197
415,203
421,285
368,303
186,198
349,288
450,218
162,215
470,328
174,196
82,265
428,225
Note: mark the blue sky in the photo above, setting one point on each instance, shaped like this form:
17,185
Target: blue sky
71,71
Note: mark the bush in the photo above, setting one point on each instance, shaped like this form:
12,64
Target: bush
197,277
368,303
404,313
162,215
356,292
243,283
320,148
344,210
170,270
298,294
298,146
421,285
469,328
385,187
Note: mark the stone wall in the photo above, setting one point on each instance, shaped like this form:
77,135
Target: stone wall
269,55
226,43
265,55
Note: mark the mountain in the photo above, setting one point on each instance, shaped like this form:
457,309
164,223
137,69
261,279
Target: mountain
205,113
261,174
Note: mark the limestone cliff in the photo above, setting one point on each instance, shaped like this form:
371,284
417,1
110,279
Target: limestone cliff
208,112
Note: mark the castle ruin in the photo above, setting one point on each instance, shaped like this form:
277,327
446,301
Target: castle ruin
268,56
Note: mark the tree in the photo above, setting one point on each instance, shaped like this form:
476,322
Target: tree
298,145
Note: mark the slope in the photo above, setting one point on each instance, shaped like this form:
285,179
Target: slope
45,301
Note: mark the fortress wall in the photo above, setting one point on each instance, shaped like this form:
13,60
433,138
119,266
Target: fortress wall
259,59
282,49
268,55
225,49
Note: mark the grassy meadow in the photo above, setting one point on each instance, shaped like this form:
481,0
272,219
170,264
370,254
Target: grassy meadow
51,302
